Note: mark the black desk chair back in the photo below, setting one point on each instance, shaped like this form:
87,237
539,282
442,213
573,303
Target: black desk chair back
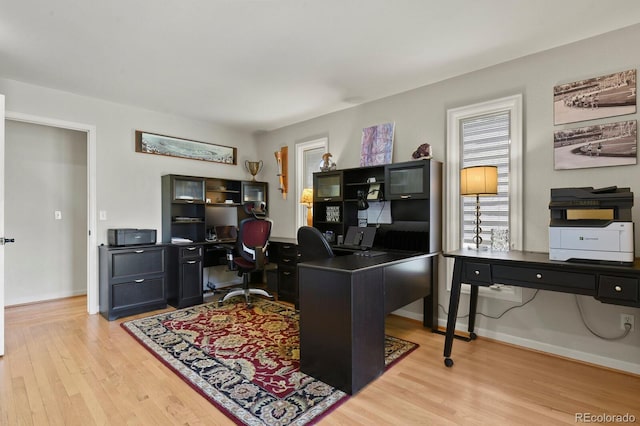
251,250
312,245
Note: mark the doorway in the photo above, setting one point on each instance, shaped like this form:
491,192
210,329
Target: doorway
91,224
45,212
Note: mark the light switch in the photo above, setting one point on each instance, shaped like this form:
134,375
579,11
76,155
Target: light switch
103,215
57,214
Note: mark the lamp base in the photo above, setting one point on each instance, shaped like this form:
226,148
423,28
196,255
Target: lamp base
309,216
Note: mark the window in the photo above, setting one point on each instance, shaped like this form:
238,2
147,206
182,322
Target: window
308,158
488,133
485,142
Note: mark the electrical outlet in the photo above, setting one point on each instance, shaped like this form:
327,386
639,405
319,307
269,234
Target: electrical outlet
627,319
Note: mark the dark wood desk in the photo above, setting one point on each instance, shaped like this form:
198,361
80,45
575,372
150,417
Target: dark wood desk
343,304
608,283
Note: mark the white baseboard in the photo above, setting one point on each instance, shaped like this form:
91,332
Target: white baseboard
408,314
41,297
552,349
536,345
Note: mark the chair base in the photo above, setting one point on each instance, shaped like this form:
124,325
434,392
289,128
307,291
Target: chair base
247,292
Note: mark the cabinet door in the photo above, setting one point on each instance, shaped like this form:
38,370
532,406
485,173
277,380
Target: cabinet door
327,186
188,189
407,180
254,191
191,282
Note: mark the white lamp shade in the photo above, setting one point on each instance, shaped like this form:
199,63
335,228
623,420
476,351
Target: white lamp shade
479,180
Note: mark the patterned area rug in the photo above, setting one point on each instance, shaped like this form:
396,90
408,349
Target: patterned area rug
245,361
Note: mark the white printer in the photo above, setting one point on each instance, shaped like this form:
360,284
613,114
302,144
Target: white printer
590,224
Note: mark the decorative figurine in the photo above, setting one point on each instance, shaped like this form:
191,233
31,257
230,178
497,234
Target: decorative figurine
326,164
423,151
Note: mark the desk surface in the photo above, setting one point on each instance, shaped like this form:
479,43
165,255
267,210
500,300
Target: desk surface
355,262
515,256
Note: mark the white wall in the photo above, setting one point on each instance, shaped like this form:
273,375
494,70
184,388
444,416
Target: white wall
550,322
45,171
128,183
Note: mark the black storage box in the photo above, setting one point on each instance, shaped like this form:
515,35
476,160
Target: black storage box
131,237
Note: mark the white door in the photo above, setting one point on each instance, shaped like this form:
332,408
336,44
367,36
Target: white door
2,225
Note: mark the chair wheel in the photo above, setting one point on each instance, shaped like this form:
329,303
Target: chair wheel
249,305
448,362
219,303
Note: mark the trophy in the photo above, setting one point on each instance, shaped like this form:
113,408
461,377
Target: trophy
253,167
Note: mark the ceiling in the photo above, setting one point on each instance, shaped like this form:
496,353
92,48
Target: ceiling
262,64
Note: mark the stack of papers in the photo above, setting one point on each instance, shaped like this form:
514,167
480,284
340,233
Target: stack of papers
178,240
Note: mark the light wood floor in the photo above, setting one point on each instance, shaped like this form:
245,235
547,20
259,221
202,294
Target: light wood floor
64,367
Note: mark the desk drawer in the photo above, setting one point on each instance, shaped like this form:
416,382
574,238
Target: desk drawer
288,250
141,291
544,278
189,252
619,288
477,272
128,263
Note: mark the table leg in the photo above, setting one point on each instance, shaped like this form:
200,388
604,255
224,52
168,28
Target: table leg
473,306
430,303
454,301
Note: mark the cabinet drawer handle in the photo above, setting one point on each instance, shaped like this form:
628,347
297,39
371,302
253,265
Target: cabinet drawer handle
139,251
191,248
287,273
327,199
140,280
190,201
476,272
618,288
538,276
286,260
191,262
286,247
405,196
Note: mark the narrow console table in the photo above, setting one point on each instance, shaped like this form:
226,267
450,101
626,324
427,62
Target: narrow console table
608,283
343,304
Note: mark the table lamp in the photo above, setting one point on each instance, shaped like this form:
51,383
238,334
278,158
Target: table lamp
307,199
478,180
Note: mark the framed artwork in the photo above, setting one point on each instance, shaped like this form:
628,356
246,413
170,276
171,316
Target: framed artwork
377,145
598,97
601,145
150,143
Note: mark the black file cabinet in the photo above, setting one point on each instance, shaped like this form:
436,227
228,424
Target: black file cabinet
285,255
185,269
132,280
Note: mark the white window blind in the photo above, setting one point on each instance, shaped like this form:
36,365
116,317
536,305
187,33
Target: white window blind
485,142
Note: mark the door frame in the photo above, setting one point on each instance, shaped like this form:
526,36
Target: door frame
92,245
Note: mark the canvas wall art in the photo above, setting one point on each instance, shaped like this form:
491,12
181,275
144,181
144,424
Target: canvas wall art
598,97
601,145
150,143
377,145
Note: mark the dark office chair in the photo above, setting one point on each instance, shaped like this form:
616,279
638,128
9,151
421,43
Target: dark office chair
251,250
312,245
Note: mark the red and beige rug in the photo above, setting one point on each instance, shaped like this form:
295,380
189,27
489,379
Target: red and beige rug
245,361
